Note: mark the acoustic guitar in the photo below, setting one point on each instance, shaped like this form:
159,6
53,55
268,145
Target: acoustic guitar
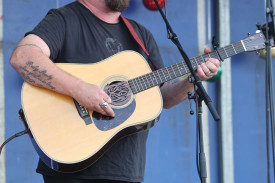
68,137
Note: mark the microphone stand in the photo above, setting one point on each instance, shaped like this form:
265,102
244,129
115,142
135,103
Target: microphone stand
270,10
197,81
200,94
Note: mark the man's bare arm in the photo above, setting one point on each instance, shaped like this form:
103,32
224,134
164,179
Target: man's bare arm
175,91
31,60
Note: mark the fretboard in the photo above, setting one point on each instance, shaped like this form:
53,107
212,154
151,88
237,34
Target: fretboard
165,74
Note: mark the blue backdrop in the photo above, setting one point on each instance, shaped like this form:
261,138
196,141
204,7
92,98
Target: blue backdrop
171,145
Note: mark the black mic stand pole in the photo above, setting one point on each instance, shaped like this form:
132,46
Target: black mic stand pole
198,83
269,77
200,92
201,160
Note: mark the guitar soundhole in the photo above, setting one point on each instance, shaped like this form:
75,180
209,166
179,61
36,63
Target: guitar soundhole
119,91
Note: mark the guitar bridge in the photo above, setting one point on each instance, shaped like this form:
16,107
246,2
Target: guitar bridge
83,113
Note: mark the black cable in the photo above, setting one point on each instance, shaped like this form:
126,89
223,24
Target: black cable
12,137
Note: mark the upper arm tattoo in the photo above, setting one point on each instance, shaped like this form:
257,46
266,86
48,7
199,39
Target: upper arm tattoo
30,45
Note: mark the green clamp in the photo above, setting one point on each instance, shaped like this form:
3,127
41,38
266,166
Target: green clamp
217,76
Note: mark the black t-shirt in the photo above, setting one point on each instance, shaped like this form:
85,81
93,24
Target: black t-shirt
75,35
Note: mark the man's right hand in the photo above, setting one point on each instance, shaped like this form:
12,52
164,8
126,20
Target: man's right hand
92,97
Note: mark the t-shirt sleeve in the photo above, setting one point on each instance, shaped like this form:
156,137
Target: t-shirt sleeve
153,51
52,30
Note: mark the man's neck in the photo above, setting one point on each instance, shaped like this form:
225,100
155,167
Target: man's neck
99,9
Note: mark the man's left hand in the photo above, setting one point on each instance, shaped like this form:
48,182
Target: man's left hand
209,68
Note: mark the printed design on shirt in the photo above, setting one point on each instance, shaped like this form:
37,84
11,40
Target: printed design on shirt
113,45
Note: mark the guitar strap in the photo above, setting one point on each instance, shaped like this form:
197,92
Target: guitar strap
135,36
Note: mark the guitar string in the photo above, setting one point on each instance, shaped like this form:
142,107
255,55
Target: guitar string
171,71
177,70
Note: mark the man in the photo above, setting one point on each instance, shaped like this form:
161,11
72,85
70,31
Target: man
88,31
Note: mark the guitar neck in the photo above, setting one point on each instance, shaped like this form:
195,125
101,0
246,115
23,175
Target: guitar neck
165,74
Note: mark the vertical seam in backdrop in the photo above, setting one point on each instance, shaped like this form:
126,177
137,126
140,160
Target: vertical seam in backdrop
201,29
225,97
2,101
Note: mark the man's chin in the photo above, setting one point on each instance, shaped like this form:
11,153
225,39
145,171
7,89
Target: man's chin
117,5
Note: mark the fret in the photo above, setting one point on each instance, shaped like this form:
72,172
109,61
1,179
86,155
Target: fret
179,69
132,86
221,54
185,67
154,79
232,51
205,56
166,74
159,76
195,61
233,48
135,81
138,81
146,79
162,75
168,69
225,52
200,59
236,48
240,47
214,54
143,82
148,83
133,89
173,70
186,71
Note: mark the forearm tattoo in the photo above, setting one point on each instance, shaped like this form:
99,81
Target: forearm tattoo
33,74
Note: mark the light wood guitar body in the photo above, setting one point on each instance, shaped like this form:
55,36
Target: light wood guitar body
59,131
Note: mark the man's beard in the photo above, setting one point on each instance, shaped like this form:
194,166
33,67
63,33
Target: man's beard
117,5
